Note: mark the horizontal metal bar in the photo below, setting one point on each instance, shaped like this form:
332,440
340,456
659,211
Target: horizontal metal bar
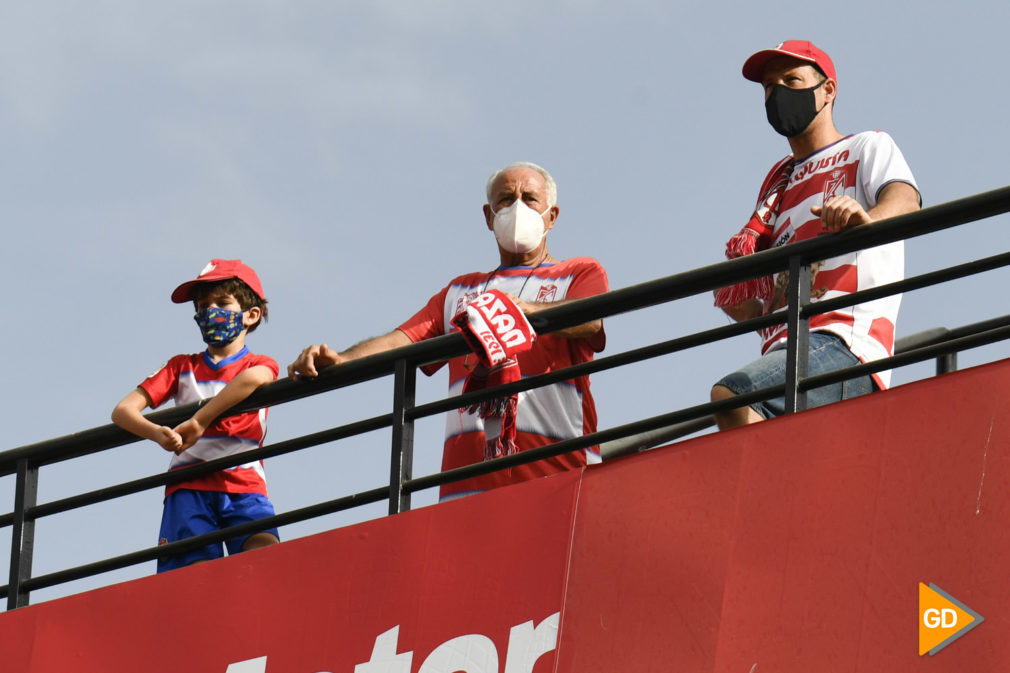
632,444
908,284
962,343
676,286
702,410
185,474
686,421
708,278
585,441
151,553
551,319
598,365
636,443
385,420
707,336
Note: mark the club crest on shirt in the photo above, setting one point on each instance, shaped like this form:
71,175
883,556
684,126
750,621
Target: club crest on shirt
834,185
547,293
465,300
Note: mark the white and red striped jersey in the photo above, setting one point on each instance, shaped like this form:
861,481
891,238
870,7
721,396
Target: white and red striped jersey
196,377
545,415
859,166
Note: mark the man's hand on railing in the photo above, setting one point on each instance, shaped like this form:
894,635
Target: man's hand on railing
840,213
316,357
843,212
312,357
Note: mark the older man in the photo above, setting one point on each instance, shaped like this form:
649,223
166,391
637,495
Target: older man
829,182
521,209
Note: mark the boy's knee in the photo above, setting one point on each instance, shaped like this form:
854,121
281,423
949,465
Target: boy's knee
259,540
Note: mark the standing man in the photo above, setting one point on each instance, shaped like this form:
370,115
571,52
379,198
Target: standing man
521,209
828,183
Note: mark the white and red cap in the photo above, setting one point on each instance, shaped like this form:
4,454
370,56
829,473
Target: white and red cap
754,66
220,269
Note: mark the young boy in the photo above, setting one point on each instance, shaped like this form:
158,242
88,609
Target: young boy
229,303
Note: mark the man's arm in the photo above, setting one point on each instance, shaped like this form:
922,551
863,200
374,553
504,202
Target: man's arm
237,390
751,308
128,415
583,331
316,356
843,212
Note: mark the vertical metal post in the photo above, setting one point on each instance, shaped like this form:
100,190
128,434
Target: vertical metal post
798,339
401,463
26,489
946,363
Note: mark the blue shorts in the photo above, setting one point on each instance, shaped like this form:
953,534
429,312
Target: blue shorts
828,353
188,513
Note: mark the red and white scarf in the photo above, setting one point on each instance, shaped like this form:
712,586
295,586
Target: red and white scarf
497,331
754,237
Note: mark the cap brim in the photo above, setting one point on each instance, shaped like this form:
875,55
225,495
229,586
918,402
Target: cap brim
753,67
184,292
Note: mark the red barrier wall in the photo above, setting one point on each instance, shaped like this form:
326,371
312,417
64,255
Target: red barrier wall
798,544
795,545
475,567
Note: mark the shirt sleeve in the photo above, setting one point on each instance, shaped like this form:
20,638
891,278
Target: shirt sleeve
590,280
429,321
161,385
883,163
268,362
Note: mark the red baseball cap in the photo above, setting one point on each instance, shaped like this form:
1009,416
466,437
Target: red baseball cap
753,67
220,269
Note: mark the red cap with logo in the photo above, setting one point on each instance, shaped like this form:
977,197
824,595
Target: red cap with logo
220,269
805,51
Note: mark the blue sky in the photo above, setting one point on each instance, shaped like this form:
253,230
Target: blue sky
342,149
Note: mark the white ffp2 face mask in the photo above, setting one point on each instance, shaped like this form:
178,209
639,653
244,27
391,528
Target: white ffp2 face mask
519,228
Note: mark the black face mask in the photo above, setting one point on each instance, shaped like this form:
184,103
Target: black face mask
790,111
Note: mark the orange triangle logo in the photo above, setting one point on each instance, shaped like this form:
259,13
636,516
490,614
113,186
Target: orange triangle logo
942,619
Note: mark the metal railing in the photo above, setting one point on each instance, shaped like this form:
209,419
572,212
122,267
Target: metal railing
941,344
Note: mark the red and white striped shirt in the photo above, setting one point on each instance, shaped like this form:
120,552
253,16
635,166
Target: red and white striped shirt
859,166
193,378
545,415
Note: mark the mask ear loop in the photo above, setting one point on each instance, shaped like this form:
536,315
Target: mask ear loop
815,88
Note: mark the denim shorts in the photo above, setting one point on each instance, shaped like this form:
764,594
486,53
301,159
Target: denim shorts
188,513
828,353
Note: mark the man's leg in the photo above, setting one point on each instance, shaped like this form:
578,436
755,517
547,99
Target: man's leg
827,353
733,418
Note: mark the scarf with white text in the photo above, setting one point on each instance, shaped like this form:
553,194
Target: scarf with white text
497,331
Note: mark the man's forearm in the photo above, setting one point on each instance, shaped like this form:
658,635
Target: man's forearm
583,331
379,344
751,308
